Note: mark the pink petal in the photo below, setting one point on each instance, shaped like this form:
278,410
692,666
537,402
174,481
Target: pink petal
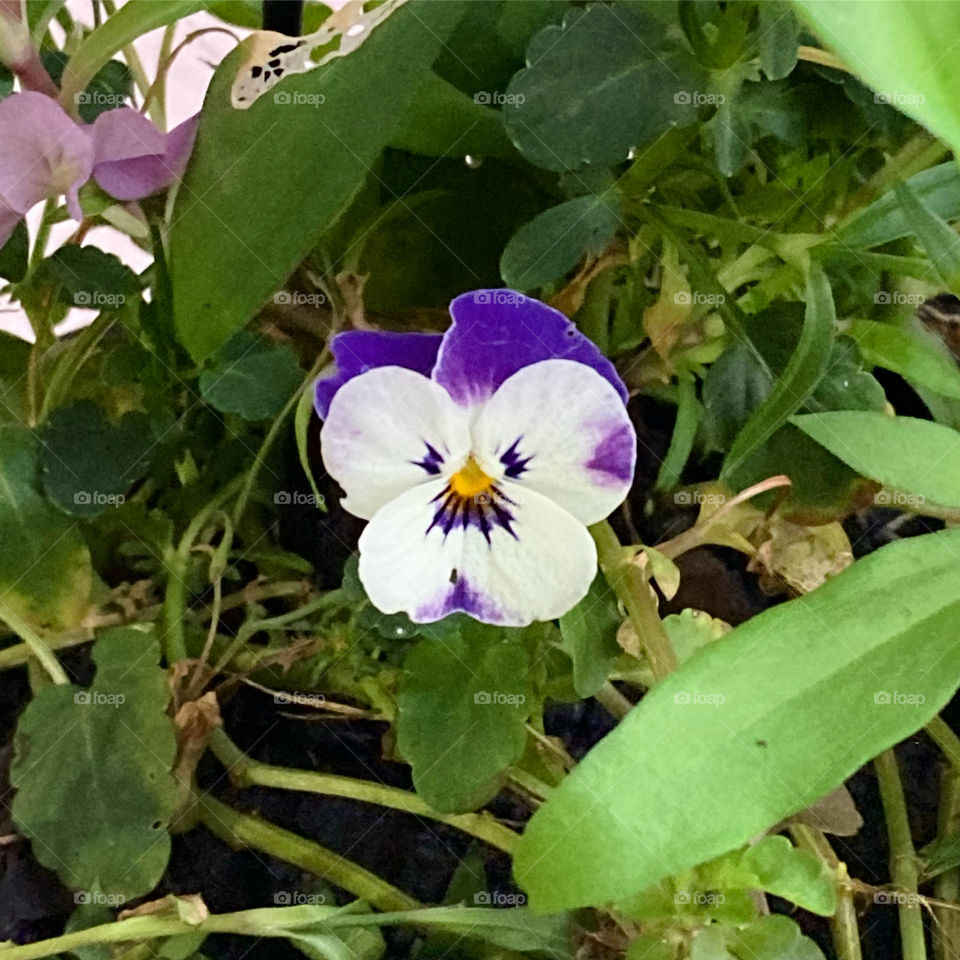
123,134
43,153
134,176
9,219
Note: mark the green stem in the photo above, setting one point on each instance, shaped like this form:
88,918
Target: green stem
246,772
946,887
73,362
245,830
272,434
633,591
613,701
177,563
36,643
903,859
281,922
843,924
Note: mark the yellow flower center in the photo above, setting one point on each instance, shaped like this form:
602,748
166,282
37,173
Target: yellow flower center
470,479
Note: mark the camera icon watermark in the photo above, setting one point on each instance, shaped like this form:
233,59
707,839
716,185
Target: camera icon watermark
898,298
294,898
694,298
884,698
508,298
896,98
294,698
494,98
896,498
698,698
94,498
99,98
97,299
298,299
698,99
485,697
497,899
84,898
94,698
298,99
296,498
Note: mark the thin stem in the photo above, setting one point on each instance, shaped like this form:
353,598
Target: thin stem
272,434
613,701
245,830
903,859
36,643
175,598
633,591
246,772
843,924
946,887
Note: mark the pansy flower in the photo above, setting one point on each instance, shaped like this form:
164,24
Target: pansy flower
45,153
479,458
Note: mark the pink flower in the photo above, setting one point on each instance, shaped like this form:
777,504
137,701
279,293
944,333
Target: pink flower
45,153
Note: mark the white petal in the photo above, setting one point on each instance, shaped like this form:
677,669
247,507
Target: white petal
538,571
377,432
572,425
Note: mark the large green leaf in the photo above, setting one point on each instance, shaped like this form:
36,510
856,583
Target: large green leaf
45,571
461,712
914,456
897,48
92,771
755,727
265,183
610,79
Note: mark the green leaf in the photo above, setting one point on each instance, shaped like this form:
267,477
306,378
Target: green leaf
893,49
571,106
775,865
735,385
747,733
941,855
555,241
250,377
445,122
938,239
461,712
92,771
910,455
589,634
45,572
845,384
15,253
89,464
915,356
689,414
301,426
129,22
938,189
292,168
91,278
798,381
109,89
772,938
778,37
690,630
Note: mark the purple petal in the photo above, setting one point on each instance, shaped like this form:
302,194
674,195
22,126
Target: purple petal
358,351
133,159
495,333
43,153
